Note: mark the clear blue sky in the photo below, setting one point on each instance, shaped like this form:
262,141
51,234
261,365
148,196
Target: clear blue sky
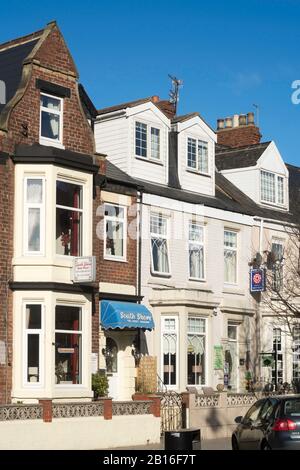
230,54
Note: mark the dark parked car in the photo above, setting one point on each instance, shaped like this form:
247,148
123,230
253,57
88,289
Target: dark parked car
271,423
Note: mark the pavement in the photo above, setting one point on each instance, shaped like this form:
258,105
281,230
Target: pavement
206,444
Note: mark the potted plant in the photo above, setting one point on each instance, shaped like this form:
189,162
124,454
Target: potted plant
99,385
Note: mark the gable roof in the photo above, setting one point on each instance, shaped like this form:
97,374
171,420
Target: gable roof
294,188
228,158
163,105
184,117
128,104
227,196
12,55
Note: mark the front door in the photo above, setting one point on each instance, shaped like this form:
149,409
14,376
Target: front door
112,368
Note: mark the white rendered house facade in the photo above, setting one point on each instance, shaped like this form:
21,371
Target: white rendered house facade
196,245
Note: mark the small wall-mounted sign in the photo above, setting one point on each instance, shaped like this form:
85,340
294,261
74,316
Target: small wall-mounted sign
218,357
84,269
242,361
257,280
65,350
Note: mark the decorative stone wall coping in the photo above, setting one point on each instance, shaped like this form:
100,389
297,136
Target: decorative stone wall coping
20,412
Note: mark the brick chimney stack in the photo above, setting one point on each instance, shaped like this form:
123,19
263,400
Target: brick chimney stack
238,131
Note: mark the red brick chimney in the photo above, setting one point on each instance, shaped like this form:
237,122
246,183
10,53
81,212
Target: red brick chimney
238,131
164,105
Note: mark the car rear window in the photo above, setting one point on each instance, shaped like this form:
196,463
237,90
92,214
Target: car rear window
292,407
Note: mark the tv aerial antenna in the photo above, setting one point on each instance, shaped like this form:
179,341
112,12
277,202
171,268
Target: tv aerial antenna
256,106
174,92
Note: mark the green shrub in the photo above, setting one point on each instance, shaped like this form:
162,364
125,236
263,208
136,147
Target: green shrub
99,385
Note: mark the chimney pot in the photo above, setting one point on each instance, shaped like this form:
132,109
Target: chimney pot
155,98
242,120
228,122
236,120
220,124
250,118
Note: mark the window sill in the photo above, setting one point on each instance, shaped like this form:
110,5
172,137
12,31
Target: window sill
149,160
51,143
274,205
163,275
195,172
113,258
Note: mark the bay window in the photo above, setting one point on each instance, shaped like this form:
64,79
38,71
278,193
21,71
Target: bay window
196,251
115,232
169,350
197,155
68,345
230,257
159,244
196,350
272,188
34,207
68,218
51,113
33,330
147,141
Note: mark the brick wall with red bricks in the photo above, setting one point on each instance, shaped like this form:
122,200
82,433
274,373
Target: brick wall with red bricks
116,271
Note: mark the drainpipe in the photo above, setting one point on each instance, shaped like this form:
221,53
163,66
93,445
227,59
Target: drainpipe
258,316
261,235
139,273
139,279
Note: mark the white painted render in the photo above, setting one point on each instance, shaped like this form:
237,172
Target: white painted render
80,433
115,136
25,392
248,179
211,298
48,266
189,180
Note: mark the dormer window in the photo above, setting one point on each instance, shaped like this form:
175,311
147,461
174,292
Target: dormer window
147,141
272,188
51,119
197,155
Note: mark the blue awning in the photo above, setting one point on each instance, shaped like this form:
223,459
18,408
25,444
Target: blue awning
116,314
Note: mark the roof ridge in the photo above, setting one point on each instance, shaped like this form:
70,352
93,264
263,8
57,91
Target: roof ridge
120,105
22,39
244,147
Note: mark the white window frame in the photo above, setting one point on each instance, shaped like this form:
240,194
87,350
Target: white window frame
200,244
34,205
196,170
83,332
281,242
58,206
148,156
164,331
116,219
276,192
277,336
47,140
164,237
41,334
190,315
236,249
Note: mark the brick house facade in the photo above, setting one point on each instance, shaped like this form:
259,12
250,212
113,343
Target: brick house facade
42,63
